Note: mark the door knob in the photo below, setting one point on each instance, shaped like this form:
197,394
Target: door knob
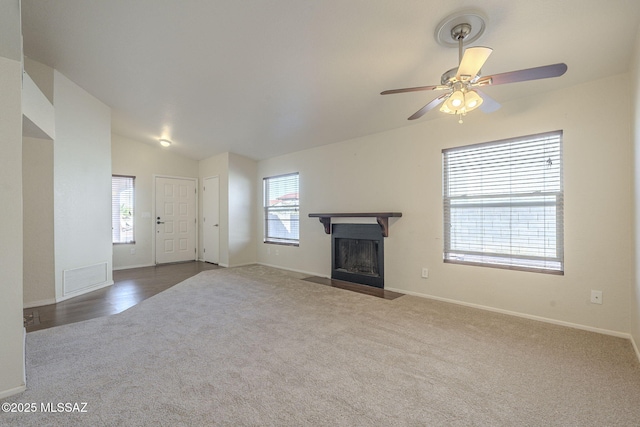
215,225
159,222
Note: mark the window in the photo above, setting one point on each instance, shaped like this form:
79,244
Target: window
281,209
503,204
122,208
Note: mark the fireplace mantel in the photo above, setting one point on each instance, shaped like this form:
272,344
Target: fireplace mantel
381,217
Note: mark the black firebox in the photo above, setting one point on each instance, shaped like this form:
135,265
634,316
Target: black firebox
357,254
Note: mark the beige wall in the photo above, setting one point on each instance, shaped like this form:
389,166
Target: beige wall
400,170
37,191
12,372
144,161
635,126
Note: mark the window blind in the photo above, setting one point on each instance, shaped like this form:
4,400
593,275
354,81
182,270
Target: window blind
122,209
281,209
503,203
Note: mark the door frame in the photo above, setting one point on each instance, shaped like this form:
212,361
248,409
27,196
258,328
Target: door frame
154,216
204,180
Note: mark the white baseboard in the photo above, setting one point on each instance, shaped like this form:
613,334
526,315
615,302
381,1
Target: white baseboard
522,315
12,391
635,347
128,267
293,270
39,303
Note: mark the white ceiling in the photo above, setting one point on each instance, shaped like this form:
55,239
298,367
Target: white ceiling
265,77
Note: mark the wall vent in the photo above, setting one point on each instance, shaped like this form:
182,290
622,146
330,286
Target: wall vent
79,279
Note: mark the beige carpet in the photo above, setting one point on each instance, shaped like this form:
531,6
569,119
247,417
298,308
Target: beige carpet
255,346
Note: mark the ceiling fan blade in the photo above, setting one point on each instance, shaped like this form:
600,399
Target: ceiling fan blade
413,89
489,105
421,112
472,61
544,72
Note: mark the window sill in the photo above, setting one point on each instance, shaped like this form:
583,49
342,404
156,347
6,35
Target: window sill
269,242
507,267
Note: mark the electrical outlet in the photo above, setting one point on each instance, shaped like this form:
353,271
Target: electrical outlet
596,297
425,272
133,251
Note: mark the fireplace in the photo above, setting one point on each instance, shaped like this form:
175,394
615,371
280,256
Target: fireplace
357,254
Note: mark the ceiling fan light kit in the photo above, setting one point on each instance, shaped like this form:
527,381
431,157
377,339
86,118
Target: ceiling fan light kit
461,82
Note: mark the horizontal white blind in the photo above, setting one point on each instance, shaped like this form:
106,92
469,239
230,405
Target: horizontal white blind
503,203
282,209
122,208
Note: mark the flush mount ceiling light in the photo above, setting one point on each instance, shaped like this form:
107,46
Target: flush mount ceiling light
461,83
165,142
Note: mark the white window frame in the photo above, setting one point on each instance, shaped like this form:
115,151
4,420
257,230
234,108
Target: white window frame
129,183
286,229
503,204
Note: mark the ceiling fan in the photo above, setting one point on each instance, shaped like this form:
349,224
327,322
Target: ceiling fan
461,84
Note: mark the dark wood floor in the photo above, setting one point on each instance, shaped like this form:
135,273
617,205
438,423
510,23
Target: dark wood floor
129,288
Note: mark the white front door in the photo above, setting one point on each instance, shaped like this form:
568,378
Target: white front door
211,220
175,219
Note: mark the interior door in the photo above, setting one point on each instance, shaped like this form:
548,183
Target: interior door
211,220
175,219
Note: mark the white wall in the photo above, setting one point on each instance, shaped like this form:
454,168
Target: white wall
143,161
82,181
37,191
400,170
12,372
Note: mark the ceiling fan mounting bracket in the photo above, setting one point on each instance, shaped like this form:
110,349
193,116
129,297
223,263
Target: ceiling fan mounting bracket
467,24
461,31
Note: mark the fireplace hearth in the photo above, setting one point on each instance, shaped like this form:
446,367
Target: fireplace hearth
357,254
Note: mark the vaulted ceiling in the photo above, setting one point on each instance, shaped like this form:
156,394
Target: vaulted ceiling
265,77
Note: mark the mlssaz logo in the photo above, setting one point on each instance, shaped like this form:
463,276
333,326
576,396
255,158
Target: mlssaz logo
80,407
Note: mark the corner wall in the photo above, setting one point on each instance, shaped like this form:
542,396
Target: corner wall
635,128
12,370
237,176
37,190
401,171
209,167
242,209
